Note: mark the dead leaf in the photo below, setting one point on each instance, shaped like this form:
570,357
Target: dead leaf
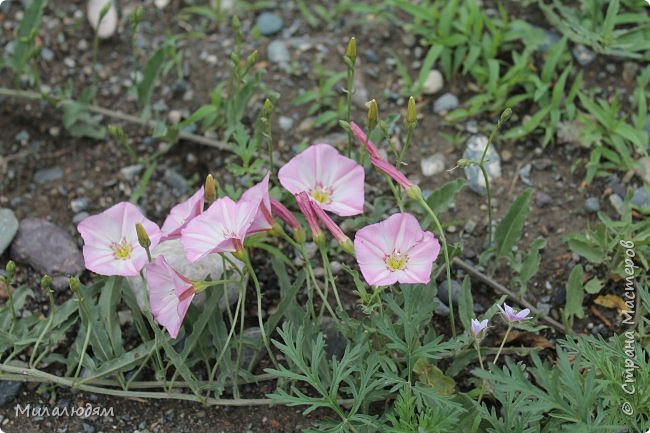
596,312
434,377
612,301
529,339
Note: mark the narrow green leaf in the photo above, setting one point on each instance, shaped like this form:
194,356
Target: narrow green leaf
149,76
574,294
509,229
466,303
440,199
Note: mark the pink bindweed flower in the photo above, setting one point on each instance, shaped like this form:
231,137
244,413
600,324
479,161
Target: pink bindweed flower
260,192
329,178
336,231
396,250
170,294
361,136
181,214
111,244
399,177
284,214
479,327
512,316
304,203
221,228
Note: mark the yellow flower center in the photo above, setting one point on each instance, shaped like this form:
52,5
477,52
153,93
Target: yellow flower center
321,195
122,251
396,261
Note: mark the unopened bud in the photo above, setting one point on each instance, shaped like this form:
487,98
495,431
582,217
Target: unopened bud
462,163
252,59
505,115
373,115
138,14
117,132
46,282
11,270
299,235
414,192
236,24
143,237
347,246
240,255
75,284
351,52
268,108
210,194
411,113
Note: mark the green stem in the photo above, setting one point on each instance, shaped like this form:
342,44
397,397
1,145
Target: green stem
348,114
505,337
400,158
10,295
50,319
242,295
258,290
480,361
330,275
489,206
445,251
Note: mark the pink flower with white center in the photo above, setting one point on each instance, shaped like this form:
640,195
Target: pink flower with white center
220,229
361,136
330,179
479,327
396,250
111,244
181,214
170,294
260,192
512,316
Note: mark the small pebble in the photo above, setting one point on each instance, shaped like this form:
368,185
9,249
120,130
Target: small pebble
268,23
583,55
445,103
285,123
46,175
433,83
542,199
435,164
278,52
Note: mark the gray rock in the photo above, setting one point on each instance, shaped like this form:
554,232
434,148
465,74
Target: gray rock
592,205
46,175
48,249
372,56
334,340
435,164
8,228
47,54
474,151
470,226
22,137
445,103
88,428
131,171
524,174
278,52
433,83
285,123
78,217
253,347
544,308
615,184
455,292
640,199
79,204
268,23
176,181
617,203
542,199
9,389
583,55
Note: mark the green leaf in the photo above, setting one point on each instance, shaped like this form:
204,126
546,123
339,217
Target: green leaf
440,199
594,286
574,294
24,43
109,298
434,377
466,303
508,231
149,76
530,265
122,363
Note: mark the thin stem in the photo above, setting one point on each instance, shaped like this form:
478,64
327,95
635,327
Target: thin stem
505,337
480,361
242,294
348,114
330,275
409,135
445,251
50,319
10,295
489,199
258,290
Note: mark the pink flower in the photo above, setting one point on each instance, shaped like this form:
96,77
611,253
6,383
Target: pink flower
260,192
478,328
330,179
221,228
284,214
386,168
181,214
512,316
361,136
304,203
170,294
111,244
336,231
396,250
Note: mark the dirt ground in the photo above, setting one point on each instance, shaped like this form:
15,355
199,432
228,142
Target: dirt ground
93,169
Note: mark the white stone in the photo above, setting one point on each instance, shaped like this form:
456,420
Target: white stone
435,164
433,83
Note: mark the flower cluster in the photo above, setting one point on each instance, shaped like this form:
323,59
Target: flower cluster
322,181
